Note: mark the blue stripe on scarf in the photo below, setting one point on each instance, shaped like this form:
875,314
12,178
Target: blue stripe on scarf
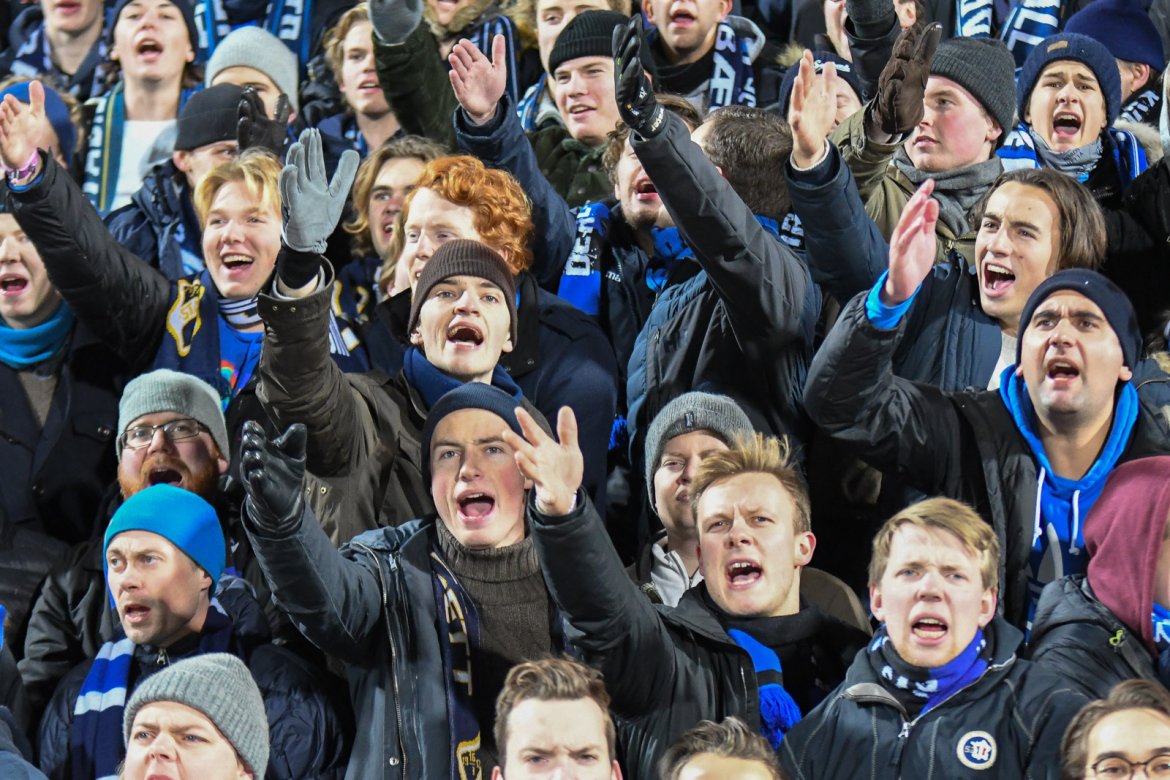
581,279
27,347
500,25
529,106
1019,151
290,22
1161,618
732,79
458,639
1030,22
778,710
934,685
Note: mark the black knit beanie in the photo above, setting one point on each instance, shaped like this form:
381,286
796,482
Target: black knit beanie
464,258
210,116
985,68
472,395
588,34
1114,304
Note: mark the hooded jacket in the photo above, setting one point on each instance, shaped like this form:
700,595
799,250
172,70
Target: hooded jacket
160,225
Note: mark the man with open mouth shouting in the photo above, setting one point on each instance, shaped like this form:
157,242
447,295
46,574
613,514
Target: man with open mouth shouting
939,692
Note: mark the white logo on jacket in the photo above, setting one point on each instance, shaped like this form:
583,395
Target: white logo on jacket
976,750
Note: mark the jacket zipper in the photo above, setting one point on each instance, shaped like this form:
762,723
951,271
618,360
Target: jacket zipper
393,653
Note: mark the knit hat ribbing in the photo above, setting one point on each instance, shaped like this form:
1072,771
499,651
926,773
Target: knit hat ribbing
164,390
209,116
588,34
1112,301
985,68
181,517
464,258
220,686
1123,27
253,47
694,411
1078,48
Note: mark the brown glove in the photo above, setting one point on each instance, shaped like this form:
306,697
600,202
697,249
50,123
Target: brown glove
897,108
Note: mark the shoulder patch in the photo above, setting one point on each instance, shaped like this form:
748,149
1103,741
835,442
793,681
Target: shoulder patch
976,750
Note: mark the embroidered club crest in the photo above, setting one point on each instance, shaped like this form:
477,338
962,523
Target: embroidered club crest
185,311
976,750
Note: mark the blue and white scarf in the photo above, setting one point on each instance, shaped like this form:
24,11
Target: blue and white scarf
27,347
1028,23
1020,150
778,710
288,20
732,81
533,110
1161,618
34,59
934,686
482,35
1142,108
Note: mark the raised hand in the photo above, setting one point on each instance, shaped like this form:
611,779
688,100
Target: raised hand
898,108
913,246
638,107
556,470
394,20
255,129
479,83
21,125
812,110
313,204
274,475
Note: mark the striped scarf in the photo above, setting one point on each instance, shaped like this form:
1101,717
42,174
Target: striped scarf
288,20
1020,150
1028,23
732,81
458,637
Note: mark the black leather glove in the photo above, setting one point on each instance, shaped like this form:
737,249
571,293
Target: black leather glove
638,107
255,129
274,477
897,108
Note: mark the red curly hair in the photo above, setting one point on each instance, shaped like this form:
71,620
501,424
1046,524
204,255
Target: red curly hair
502,212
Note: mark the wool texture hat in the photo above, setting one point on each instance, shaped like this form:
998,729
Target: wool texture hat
472,395
164,390
1123,27
220,686
588,34
253,47
845,70
1114,304
1123,537
210,116
179,516
55,111
185,9
1078,48
985,68
694,411
464,258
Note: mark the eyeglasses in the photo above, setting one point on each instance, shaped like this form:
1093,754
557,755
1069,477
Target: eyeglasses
1117,768
176,430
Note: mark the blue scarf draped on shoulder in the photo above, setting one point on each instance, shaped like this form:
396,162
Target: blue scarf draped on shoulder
778,710
28,347
432,384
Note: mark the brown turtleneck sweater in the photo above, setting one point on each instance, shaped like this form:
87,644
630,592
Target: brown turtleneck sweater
514,618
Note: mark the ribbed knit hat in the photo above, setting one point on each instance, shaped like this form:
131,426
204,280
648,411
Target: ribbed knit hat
1078,48
181,517
588,34
472,395
717,414
985,68
253,47
1123,27
210,116
1110,298
219,686
185,9
464,258
164,390
55,111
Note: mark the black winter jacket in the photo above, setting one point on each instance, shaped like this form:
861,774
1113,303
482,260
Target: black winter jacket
665,667
963,445
1008,724
1076,637
745,325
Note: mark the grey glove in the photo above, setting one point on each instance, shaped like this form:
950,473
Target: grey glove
395,20
313,205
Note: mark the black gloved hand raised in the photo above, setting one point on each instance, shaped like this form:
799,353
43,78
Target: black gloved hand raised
274,477
255,129
638,107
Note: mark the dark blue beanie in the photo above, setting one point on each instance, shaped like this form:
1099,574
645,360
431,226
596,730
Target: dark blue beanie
845,69
1114,304
1078,48
473,395
179,516
55,111
1123,27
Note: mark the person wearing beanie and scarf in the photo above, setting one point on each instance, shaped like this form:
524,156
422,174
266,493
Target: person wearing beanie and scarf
152,51
62,43
939,692
1033,455
430,615
159,224
163,554
1112,623
740,643
212,696
253,57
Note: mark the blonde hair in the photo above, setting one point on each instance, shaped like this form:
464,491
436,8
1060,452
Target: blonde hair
948,515
759,454
334,42
256,169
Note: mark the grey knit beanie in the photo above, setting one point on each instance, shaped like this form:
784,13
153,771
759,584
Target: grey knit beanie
985,68
253,47
219,686
164,390
694,411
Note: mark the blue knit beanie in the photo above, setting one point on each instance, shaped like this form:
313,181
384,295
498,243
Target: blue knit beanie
1123,27
55,111
179,516
1078,48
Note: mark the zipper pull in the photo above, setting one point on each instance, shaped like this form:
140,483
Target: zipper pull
905,732
903,735
162,659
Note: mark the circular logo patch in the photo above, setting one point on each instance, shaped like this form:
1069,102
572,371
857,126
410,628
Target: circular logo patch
976,750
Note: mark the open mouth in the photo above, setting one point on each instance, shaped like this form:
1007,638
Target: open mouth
476,506
370,85
237,263
997,278
929,629
577,111
163,475
1060,370
743,573
1066,125
149,48
135,613
13,285
464,334
644,189
682,19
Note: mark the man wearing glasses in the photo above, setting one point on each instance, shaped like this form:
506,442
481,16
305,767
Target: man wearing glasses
1121,735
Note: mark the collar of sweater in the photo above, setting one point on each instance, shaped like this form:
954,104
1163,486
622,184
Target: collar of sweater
493,565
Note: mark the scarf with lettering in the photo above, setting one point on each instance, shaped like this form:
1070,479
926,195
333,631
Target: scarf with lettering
288,20
732,80
920,689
